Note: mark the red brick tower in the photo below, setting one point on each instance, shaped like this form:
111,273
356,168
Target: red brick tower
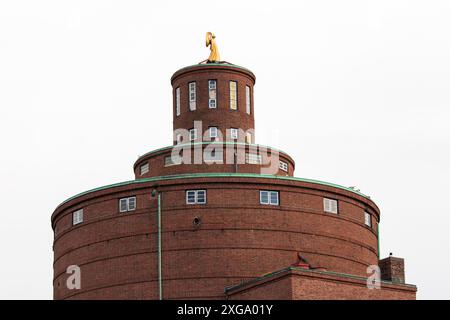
215,216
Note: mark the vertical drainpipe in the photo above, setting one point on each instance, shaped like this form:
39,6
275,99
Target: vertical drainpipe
159,249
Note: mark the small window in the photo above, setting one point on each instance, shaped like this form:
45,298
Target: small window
212,132
77,217
193,134
330,205
145,168
252,158
171,161
196,196
248,138
283,166
192,96
127,204
234,133
178,103
247,100
233,95
367,219
269,197
212,101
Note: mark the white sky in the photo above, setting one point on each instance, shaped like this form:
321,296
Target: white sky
357,92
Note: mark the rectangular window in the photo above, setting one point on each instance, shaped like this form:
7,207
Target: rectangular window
330,205
192,96
170,161
247,100
145,168
248,138
283,166
233,95
196,196
177,102
367,219
252,158
193,134
212,102
77,217
269,197
234,133
127,204
212,132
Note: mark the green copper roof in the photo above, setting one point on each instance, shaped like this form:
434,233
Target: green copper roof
213,175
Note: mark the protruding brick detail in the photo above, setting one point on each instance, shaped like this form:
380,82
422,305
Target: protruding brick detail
393,269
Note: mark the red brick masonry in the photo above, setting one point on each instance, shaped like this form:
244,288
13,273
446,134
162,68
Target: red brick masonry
300,284
232,246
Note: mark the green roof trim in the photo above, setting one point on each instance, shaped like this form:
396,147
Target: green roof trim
224,64
212,175
209,143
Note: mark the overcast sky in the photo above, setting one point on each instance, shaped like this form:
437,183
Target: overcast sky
357,92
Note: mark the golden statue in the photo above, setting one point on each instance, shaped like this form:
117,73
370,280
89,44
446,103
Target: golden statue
214,56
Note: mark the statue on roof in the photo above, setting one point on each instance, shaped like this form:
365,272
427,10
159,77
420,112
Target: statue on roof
211,42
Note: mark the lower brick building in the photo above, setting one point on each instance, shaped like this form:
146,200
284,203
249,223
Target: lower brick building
216,216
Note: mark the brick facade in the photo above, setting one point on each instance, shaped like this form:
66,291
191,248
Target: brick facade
232,239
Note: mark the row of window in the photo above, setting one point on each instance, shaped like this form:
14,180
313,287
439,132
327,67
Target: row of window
212,96
216,156
213,133
266,197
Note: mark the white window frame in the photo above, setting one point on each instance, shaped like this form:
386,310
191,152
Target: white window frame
177,101
368,219
195,194
252,158
234,133
212,94
192,96
130,204
283,166
193,134
77,217
269,194
235,89
248,99
330,205
145,168
213,132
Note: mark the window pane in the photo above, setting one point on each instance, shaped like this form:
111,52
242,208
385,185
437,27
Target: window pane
274,197
190,196
233,95
330,205
201,196
123,205
247,99
131,203
144,169
264,197
178,101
